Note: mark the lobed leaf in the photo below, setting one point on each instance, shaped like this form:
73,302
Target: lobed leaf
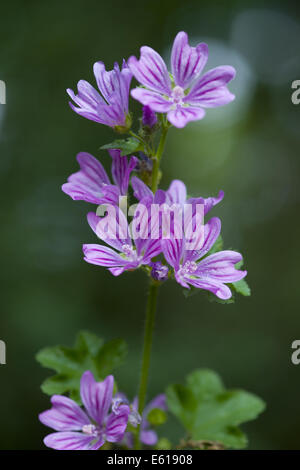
210,412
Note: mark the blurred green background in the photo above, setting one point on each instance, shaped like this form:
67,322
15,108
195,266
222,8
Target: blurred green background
248,148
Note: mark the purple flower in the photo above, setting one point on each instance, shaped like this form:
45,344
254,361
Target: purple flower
191,267
147,435
149,118
185,95
91,183
88,429
111,108
175,194
124,255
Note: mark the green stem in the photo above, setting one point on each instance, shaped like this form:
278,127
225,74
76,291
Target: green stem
133,134
149,327
152,298
157,158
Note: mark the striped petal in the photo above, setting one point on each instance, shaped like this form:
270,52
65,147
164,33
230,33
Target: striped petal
208,202
187,62
220,266
121,169
210,90
88,182
151,71
140,189
117,423
216,287
212,230
96,396
180,116
154,100
72,441
173,251
65,415
102,256
176,194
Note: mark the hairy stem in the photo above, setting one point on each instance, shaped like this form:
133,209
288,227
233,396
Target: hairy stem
149,327
152,297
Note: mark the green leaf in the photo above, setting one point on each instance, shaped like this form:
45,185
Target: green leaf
210,412
110,356
89,353
241,287
127,146
156,417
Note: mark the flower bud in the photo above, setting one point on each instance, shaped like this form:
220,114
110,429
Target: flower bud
149,117
159,272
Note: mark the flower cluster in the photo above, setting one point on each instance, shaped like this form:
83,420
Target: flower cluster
125,252
182,95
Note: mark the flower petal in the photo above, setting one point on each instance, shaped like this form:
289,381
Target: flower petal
173,251
115,82
105,80
106,229
117,423
113,228
216,287
117,271
88,182
220,266
92,106
102,256
151,71
208,202
140,189
187,62
210,90
96,396
65,415
180,116
152,99
176,194
121,169
72,441
87,93
212,230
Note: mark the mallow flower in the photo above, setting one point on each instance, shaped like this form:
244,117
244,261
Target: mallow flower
127,250
194,268
92,184
185,94
147,435
110,106
88,428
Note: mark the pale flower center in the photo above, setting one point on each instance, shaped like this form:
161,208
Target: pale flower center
130,253
187,269
89,429
178,94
